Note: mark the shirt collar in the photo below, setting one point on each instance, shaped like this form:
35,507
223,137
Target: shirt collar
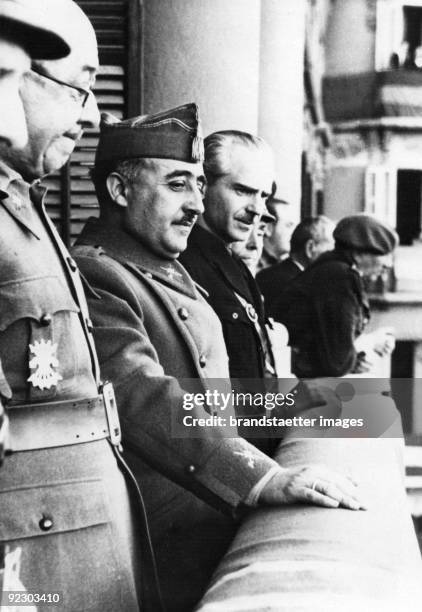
298,264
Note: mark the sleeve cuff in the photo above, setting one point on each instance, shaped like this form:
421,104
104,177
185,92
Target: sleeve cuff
253,496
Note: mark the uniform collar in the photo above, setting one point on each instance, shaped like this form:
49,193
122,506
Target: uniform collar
125,248
15,196
12,183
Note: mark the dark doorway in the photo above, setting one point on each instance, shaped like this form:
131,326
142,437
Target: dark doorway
412,35
409,205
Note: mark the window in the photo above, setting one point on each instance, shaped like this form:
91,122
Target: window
399,34
71,197
409,205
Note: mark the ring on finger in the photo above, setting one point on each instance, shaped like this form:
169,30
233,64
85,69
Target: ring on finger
314,484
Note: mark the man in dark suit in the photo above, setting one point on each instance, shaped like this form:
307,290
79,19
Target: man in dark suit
239,170
311,237
250,250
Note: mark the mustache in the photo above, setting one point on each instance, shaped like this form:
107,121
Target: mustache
247,217
189,218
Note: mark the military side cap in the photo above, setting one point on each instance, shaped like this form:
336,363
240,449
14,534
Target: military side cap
34,24
366,234
267,217
172,134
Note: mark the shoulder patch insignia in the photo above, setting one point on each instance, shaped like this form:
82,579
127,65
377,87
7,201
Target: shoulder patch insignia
248,455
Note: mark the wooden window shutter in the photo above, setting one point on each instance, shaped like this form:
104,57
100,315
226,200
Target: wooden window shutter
71,196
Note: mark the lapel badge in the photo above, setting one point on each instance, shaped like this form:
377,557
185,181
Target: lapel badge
43,363
171,272
251,312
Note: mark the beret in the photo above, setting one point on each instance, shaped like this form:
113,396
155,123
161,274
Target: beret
35,25
171,134
366,234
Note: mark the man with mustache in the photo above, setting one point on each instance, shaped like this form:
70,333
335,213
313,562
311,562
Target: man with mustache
239,168
156,334
67,524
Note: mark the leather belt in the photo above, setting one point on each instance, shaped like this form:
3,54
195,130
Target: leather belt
52,424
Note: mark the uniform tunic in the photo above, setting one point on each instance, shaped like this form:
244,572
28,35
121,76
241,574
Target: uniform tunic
154,330
66,523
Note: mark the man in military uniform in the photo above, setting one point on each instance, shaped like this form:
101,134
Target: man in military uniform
23,35
66,524
153,328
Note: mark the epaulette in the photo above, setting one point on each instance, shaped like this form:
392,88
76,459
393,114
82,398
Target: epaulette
89,250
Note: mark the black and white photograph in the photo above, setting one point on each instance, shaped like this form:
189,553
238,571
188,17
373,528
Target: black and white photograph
210,305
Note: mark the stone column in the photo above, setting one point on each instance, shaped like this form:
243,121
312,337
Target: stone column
203,51
281,90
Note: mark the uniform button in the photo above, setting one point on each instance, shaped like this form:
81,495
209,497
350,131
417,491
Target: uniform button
72,264
148,275
202,361
46,319
235,315
191,469
183,313
46,523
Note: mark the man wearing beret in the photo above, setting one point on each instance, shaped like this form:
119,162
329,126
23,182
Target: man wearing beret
153,328
67,524
326,309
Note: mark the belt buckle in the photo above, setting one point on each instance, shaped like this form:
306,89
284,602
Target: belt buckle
110,406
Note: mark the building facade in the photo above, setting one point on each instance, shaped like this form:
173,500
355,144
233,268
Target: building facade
253,65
